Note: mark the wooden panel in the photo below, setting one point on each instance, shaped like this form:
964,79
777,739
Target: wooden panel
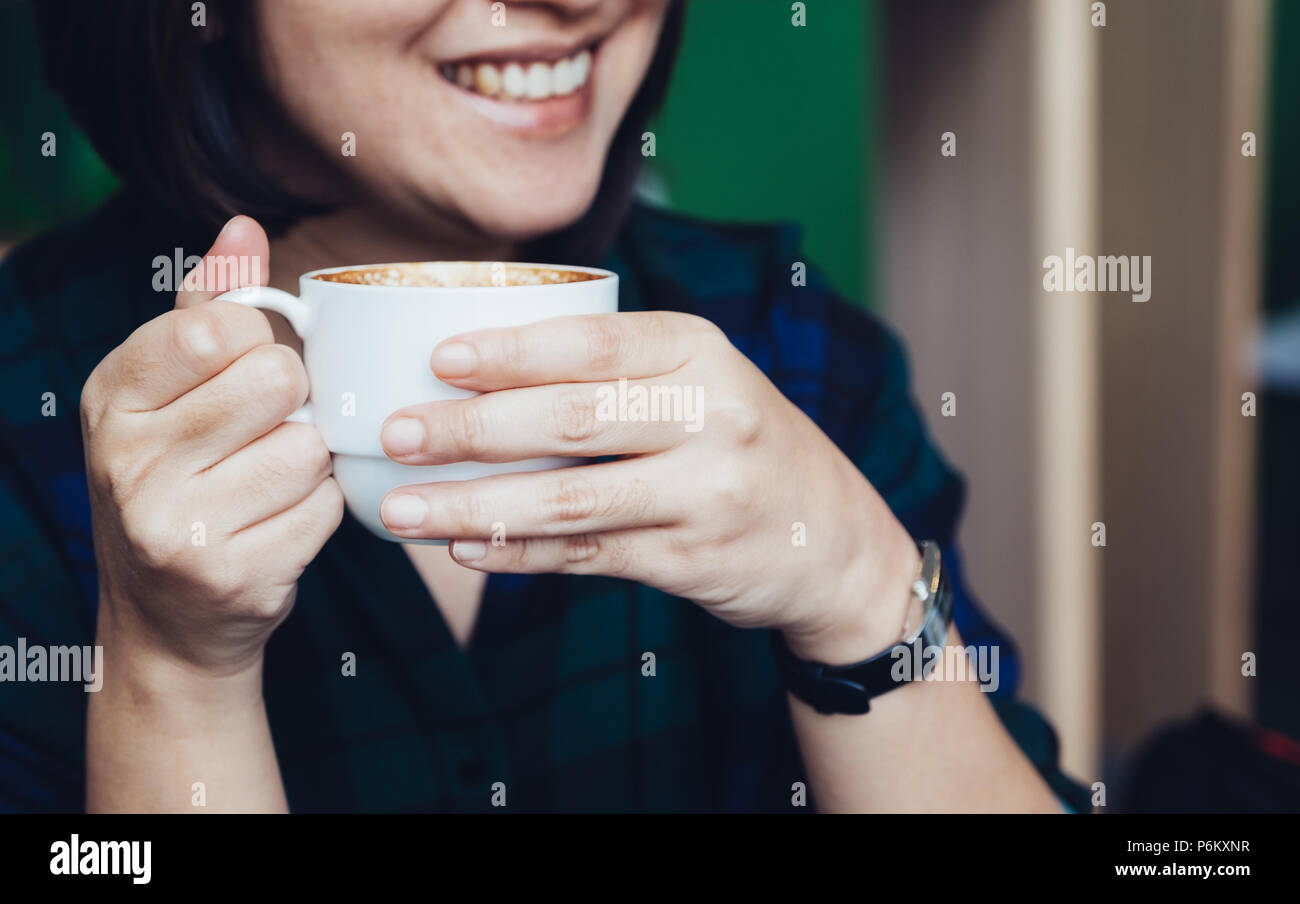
962,281
1066,384
1074,408
1232,588
1177,82
956,280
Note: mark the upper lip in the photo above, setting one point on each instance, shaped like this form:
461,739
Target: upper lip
534,52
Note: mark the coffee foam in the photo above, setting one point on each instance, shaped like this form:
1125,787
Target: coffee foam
457,275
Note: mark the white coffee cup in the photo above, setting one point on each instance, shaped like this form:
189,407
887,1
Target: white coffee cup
367,342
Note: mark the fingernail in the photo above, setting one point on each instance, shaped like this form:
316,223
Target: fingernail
403,436
403,512
468,550
454,359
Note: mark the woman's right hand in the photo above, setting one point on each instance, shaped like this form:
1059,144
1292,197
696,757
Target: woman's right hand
206,504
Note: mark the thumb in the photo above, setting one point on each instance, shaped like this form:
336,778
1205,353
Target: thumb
240,256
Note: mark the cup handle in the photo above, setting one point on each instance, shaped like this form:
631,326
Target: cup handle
300,313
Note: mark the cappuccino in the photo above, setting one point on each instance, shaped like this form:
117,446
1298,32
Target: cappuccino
457,275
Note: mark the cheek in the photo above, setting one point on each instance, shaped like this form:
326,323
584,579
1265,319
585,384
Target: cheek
340,65
382,121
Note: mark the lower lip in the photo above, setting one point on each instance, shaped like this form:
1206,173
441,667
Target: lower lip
530,118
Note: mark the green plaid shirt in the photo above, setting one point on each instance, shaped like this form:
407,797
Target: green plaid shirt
550,698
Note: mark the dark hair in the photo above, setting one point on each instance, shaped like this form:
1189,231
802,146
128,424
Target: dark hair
152,93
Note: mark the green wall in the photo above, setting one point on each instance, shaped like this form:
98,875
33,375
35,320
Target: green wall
768,121
37,191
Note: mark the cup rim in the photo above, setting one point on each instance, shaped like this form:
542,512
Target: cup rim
314,274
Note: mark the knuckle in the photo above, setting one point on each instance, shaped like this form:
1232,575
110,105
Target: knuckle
153,537
311,523
571,499
114,470
574,417
663,326
91,413
267,471
301,527
116,477
305,452
241,322
227,582
332,502
468,427
92,403
315,453
596,551
606,345
196,337
516,551
739,418
729,489
617,557
581,548
279,373
635,500
702,326
265,607
512,351
466,512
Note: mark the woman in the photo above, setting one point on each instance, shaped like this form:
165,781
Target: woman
609,662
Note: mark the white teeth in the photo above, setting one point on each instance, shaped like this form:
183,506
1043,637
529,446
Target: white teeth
517,81
514,81
539,81
562,78
581,68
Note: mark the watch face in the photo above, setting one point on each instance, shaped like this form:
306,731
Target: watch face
916,613
936,628
938,615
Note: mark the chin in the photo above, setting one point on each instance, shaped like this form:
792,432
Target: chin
520,213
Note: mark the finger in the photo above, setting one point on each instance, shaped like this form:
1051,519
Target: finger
240,256
246,400
269,475
175,352
578,419
591,498
621,554
299,531
587,347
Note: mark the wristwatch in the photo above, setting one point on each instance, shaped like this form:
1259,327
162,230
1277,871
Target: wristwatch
850,688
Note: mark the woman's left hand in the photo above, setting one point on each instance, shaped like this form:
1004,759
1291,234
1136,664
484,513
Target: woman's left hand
740,503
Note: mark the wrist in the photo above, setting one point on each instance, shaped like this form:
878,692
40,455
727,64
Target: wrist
149,671
159,724
866,617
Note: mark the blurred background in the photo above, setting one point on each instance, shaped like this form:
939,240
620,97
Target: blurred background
1122,138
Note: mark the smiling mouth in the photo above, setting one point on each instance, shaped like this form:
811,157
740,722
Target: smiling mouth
522,80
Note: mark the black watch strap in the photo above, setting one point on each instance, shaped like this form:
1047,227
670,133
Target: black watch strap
850,688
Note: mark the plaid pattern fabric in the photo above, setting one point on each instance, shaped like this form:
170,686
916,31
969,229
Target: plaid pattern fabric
549,698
